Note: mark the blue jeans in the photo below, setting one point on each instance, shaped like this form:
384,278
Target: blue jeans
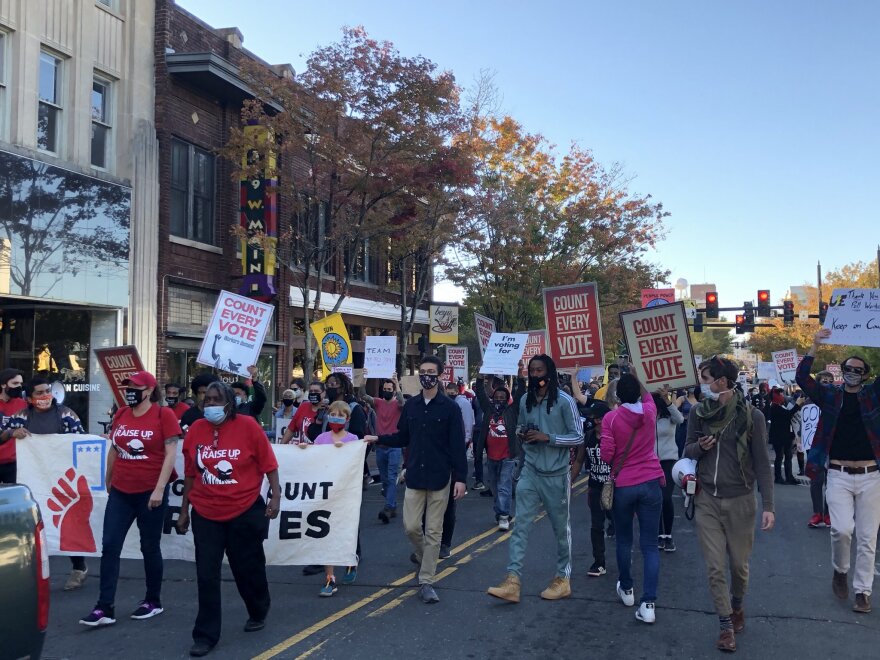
388,462
122,510
499,479
645,501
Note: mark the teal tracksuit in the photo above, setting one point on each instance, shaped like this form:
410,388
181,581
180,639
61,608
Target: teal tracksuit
546,479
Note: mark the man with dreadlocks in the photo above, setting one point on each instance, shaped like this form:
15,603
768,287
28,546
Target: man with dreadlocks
549,426
728,439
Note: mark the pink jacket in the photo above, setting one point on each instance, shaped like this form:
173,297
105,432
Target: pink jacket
641,463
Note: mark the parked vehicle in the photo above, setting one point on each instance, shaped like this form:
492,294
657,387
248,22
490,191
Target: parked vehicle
24,574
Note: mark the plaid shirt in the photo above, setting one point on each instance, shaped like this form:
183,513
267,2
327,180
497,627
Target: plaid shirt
70,422
829,398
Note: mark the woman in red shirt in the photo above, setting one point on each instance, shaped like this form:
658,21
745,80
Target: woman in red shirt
304,426
140,465
226,457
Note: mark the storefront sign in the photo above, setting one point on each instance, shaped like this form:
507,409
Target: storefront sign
235,334
118,363
485,327
259,217
659,346
503,353
574,329
443,324
332,337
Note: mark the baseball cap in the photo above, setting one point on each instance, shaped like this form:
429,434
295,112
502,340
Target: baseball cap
141,379
597,409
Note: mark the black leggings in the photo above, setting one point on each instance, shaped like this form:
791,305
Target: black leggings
817,493
668,514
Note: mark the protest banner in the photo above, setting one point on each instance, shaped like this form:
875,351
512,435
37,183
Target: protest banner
854,317
119,363
836,371
766,371
660,346
503,353
236,333
656,297
332,337
457,362
809,423
535,345
443,324
485,327
786,363
574,329
380,356
320,500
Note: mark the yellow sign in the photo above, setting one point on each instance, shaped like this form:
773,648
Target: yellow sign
333,341
443,328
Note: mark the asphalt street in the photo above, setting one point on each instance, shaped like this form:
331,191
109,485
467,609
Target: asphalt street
790,609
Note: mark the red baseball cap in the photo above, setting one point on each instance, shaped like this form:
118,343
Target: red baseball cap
141,379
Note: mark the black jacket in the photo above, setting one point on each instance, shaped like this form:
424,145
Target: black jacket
434,437
510,416
780,423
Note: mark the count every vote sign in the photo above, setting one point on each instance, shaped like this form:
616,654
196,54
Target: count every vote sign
236,333
660,346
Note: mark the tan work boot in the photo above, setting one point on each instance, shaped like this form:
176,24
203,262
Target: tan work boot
507,590
76,579
559,588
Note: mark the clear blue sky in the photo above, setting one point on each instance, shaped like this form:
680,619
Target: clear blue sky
755,123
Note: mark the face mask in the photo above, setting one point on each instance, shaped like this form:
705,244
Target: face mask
707,392
537,382
238,401
14,392
853,380
297,393
42,401
133,397
428,381
387,395
332,393
215,414
287,402
335,423
498,407
172,400
314,398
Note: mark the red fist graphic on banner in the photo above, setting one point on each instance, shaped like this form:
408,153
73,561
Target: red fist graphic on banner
71,506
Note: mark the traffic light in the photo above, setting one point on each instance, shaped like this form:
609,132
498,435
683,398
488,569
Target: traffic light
788,313
749,317
711,305
764,303
698,322
740,323
823,310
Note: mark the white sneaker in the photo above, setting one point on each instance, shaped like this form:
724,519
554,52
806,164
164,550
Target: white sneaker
646,613
503,523
626,596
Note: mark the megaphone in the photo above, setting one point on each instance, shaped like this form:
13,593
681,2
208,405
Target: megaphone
684,474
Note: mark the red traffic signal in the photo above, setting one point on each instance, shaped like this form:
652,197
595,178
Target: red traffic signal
740,323
764,302
711,305
788,313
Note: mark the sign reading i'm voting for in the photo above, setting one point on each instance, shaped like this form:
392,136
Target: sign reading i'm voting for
786,364
854,317
380,354
235,334
659,345
503,353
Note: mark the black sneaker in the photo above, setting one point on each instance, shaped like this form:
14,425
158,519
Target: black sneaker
661,543
253,625
479,485
147,610
99,617
444,552
383,516
670,545
200,649
597,569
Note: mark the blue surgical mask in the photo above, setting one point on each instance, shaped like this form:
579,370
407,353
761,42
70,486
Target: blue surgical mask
707,392
238,401
215,414
335,419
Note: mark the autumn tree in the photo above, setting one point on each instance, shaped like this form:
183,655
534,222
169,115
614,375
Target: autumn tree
712,341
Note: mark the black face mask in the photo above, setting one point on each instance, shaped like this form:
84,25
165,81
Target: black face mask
537,382
387,395
498,407
428,381
133,397
172,400
14,392
287,402
314,398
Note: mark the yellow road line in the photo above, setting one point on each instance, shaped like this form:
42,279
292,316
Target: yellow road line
315,648
391,604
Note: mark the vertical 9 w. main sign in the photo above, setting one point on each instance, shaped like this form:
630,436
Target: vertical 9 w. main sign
574,329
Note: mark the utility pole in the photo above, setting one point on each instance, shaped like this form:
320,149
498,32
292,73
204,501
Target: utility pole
878,265
819,279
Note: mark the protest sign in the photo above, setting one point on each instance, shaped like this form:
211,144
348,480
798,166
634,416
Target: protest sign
280,427
380,356
786,364
332,337
503,353
659,346
320,500
457,362
836,371
119,363
443,324
766,371
656,297
571,315
235,334
743,381
854,317
584,375
485,327
809,423
346,369
535,345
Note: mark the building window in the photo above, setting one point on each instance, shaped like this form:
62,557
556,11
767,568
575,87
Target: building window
49,114
192,192
190,309
363,262
106,3
101,123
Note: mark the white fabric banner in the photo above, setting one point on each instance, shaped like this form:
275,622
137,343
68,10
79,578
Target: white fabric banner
320,500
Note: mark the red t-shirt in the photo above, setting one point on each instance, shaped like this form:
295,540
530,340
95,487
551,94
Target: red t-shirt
387,415
7,410
497,446
179,408
228,464
302,418
140,447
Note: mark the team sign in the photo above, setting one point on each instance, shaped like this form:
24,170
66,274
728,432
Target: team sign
380,354
485,327
573,325
236,333
118,363
786,364
659,346
320,500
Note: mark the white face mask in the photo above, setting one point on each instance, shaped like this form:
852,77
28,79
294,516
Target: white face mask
852,380
706,391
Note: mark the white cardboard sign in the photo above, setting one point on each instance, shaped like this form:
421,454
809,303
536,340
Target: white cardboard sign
766,371
503,353
854,317
485,327
809,423
457,360
786,364
235,334
380,355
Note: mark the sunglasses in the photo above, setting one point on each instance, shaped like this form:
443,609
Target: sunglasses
853,370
